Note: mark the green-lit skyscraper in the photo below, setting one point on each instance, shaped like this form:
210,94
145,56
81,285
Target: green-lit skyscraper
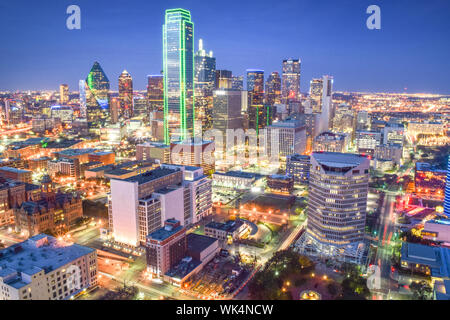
178,60
97,90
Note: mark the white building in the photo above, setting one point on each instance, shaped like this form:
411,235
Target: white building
437,230
285,138
44,268
140,204
338,188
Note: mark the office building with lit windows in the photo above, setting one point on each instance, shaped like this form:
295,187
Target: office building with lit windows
178,71
273,89
46,268
227,110
298,166
284,138
447,191
63,94
97,97
205,78
155,92
338,188
126,94
291,80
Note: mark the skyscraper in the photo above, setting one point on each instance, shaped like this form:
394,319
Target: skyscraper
237,83
224,79
7,111
273,89
320,94
82,91
63,93
259,115
178,63
155,92
291,80
97,90
126,94
227,110
205,74
338,188
447,191
205,70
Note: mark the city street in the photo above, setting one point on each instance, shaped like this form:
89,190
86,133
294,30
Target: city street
385,231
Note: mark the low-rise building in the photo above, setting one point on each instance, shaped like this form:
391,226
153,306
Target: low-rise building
52,213
16,174
234,179
437,230
165,248
44,268
229,230
429,260
277,183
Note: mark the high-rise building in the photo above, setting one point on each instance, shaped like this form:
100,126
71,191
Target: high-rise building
286,137
447,191
259,115
237,83
155,92
298,166
63,93
205,77
227,110
224,79
362,120
82,91
273,89
338,188
205,70
291,80
226,116
321,98
114,108
126,94
134,211
97,90
178,62
7,111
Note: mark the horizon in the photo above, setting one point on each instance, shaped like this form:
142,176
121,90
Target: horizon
360,60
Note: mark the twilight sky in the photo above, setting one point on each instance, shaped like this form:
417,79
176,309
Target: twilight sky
410,51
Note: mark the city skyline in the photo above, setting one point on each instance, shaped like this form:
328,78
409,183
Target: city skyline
348,51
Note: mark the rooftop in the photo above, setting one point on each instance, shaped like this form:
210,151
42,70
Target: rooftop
165,232
31,256
16,170
229,226
238,174
182,269
198,242
437,258
151,175
337,159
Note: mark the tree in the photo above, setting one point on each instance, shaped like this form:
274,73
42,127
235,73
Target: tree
421,290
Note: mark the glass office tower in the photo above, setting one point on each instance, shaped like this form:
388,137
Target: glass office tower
291,80
178,63
155,92
97,93
126,94
447,191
